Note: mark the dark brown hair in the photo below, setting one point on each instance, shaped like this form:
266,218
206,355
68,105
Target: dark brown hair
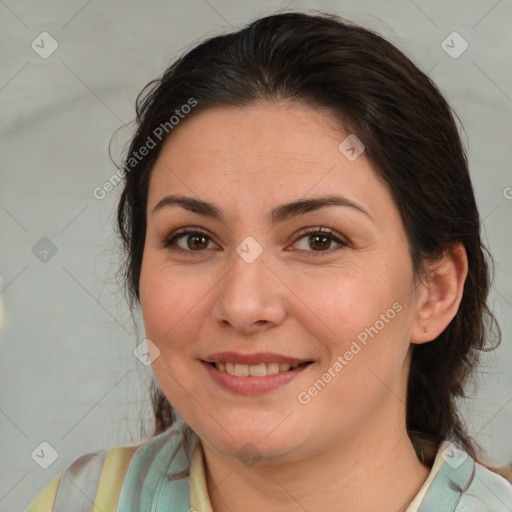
411,140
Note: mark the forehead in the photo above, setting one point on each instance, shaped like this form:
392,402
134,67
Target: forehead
265,154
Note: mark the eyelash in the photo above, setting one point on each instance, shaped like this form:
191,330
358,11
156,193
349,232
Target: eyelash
170,242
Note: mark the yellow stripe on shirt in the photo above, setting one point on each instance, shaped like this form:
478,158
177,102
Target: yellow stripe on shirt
44,502
112,478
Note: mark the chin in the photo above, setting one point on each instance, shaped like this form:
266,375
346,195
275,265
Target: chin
253,441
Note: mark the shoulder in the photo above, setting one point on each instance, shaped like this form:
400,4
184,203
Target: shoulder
159,472
487,491
462,484
124,477
93,477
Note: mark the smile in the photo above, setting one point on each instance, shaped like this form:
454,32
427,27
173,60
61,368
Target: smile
254,379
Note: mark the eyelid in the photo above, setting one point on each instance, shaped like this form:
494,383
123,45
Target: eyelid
318,229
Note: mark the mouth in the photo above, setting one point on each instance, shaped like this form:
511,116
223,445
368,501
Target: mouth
256,370
254,374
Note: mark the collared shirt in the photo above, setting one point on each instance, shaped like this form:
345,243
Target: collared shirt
200,500
167,474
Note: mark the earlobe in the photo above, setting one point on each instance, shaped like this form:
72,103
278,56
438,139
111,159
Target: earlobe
441,294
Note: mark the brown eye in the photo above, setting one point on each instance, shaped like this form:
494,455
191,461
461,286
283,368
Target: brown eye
194,241
197,241
319,241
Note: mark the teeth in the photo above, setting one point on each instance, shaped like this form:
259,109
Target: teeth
255,370
272,368
241,370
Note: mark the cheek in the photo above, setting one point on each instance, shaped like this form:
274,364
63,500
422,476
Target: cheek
161,308
167,312
173,309
348,300
365,314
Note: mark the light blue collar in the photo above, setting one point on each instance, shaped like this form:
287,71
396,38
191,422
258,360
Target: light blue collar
450,483
158,478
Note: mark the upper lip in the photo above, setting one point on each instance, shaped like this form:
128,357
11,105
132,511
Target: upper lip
252,359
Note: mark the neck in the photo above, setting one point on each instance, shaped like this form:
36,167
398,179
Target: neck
341,480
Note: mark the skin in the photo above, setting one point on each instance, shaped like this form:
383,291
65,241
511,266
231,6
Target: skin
351,436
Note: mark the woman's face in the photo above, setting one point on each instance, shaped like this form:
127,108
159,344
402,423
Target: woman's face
259,287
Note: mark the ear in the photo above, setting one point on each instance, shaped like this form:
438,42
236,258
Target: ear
439,298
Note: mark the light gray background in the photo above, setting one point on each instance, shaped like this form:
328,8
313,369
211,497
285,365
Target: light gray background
68,374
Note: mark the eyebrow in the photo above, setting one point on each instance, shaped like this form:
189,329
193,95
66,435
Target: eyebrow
278,214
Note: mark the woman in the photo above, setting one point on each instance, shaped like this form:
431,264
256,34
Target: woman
302,236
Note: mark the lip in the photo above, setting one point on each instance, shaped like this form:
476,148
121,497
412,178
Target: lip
251,386
251,359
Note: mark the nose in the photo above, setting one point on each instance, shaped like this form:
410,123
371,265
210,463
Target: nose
250,297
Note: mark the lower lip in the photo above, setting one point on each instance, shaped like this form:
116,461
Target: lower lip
253,385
